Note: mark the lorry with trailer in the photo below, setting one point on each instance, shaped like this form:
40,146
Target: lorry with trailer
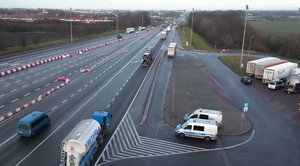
171,50
281,71
260,67
293,84
79,146
163,35
130,30
147,57
250,68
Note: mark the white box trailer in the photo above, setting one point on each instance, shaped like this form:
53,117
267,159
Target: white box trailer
163,35
280,71
172,50
250,69
260,67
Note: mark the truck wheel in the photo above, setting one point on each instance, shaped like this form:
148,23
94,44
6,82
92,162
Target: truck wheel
207,138
181,135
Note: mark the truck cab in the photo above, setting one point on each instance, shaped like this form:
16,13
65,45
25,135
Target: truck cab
103,118
275,84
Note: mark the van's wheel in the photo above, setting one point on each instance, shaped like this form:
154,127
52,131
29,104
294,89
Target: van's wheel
207,138
181,135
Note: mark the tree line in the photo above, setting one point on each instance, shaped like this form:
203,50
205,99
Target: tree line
224,29
13,33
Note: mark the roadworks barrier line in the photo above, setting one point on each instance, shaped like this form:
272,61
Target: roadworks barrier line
27,66
30,103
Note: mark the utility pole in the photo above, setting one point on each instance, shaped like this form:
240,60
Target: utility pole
71,20
245,26
192,27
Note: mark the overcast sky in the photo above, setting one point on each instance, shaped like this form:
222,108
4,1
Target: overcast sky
155,4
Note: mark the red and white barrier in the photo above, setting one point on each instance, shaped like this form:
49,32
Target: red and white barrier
27,66
39,98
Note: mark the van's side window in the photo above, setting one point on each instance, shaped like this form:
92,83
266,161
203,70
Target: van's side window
37,122
199,128
189,127
194,116
202,116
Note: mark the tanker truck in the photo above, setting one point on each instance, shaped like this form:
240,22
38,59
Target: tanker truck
79,146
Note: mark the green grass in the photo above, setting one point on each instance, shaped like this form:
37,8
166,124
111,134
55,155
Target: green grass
233,62
279,28
197,41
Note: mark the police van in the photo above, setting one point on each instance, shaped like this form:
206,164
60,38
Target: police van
198,128
32,123
206,114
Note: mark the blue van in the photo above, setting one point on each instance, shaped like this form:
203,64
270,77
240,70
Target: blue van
31,124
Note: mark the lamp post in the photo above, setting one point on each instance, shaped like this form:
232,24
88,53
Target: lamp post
71,25
245,26
250,44
192,27
117,22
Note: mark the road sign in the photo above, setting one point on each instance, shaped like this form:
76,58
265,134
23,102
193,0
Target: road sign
245,107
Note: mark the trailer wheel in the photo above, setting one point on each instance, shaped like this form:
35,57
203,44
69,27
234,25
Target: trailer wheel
207,138
181,135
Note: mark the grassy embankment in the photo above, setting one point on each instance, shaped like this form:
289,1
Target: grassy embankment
41,45
198,42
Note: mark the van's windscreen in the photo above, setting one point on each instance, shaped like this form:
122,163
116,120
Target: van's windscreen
24,127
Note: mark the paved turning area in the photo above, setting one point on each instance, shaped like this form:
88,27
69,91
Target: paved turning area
192,87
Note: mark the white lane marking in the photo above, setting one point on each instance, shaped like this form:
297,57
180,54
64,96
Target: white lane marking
28,77
45,71
69,74
1,80
6,85
2,95
35,81
37,89
18,81
27,94
14,100
13,90
8,140
53,108
51,75
2,106
72,95
25,86
85,85
47,84
36,74
43,78
64,101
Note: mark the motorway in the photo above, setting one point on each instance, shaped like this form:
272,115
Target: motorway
117,75
118,84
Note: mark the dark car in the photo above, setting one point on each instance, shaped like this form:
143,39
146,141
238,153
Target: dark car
246,80
119,36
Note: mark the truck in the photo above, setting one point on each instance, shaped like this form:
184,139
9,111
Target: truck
168,28
260,67
79,146
281,71
293,84
171,50
250,69
147,57
130,30
163,35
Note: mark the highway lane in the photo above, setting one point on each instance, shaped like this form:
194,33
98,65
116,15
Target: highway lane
62,97
36,78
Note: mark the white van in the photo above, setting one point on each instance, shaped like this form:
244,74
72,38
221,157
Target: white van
206,114
198,128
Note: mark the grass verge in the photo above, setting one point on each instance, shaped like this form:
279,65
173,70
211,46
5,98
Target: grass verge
233,62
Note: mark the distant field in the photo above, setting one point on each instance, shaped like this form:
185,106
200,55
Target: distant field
280,28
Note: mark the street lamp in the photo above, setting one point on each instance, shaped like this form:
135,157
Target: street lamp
71,25
250,44
117,22
192,27
245,26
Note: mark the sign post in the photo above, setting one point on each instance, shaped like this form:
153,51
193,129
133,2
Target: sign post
244,114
